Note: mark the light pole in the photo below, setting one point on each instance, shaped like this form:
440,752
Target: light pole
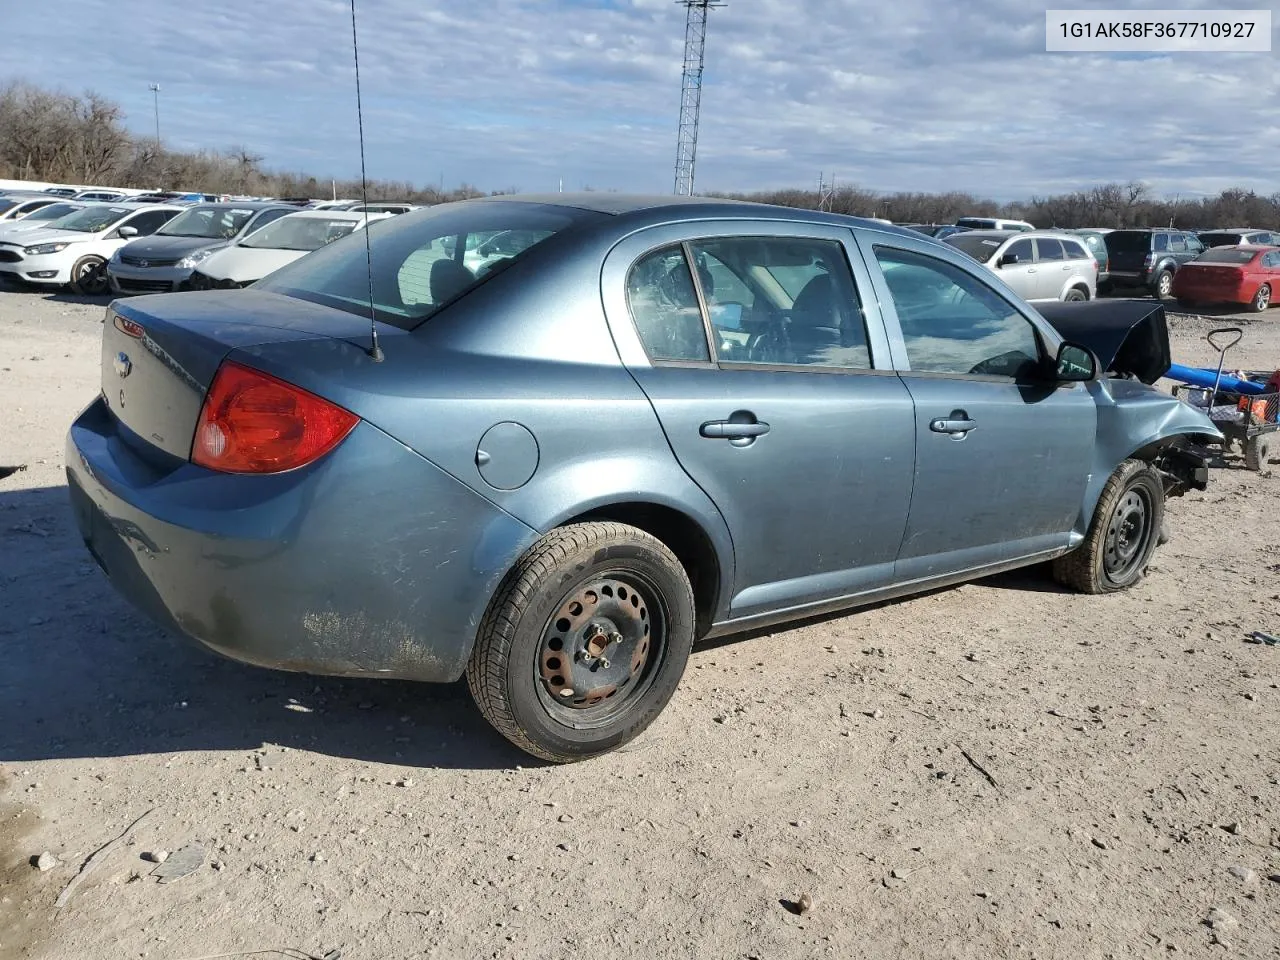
155,91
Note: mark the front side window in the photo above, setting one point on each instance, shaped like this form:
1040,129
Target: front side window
1021,251
953,323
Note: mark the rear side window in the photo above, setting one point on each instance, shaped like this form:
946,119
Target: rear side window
781,301
1177,243
664,306
769,300
1049,248
1160,242
1074,251
953,323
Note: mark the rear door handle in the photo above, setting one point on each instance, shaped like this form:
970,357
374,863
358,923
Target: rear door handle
729,430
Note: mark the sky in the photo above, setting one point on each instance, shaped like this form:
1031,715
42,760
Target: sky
887,95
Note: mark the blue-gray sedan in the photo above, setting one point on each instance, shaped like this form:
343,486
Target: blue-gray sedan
593,429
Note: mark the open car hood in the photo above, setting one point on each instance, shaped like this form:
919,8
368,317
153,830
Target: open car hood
1130,337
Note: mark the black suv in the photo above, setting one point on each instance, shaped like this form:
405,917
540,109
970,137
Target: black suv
1149,258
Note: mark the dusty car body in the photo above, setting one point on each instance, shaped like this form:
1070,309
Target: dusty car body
660,420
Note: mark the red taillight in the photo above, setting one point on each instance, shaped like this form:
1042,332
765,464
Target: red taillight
253,423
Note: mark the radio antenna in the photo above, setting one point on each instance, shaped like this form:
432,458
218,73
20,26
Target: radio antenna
375,351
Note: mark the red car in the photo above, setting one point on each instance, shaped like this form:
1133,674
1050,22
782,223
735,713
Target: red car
1241,274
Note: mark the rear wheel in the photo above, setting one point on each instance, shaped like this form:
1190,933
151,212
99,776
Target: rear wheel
89,276
1124,532
1075,295
1163,285
1262,299
1260,451
585,641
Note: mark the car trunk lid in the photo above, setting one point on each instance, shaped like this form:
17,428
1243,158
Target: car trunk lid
160,354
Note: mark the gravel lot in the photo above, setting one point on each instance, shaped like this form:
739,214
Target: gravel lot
998,770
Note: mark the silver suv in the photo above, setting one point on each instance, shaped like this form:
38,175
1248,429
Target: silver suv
1039,265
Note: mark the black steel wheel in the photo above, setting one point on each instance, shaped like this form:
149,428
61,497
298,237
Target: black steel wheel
585,641
89,276
1125,531
1262,299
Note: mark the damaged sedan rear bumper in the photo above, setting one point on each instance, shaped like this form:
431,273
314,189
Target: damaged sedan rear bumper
270,570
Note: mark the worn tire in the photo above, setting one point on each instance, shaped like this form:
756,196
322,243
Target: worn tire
503,670
1259,451
1075,295
1084,568
89,276
1162,285
1262,299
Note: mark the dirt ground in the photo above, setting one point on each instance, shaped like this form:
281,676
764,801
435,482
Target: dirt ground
998,770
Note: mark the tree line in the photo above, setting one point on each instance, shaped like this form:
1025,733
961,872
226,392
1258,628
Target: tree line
51,135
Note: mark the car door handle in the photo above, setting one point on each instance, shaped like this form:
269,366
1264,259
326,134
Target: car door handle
729,430
956,423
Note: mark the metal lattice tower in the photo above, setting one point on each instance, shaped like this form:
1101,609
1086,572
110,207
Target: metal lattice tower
695,43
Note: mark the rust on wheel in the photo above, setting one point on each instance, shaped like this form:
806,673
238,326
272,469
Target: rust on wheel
598,644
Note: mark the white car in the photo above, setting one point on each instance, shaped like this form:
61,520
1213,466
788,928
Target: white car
77,249
17,207
275,245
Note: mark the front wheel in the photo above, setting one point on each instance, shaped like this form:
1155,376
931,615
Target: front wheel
585,641
89,276
1124,532
1261,300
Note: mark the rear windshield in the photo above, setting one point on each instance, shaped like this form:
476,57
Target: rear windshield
1129,240
422,261
980,248
976,222
1226,255
1220,239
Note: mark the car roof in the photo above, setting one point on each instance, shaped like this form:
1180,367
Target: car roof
625,204
241,204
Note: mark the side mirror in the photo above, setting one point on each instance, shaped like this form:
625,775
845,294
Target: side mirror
1007,259
1075,364
127,232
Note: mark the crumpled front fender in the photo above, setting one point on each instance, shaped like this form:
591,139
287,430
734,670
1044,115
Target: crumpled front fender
1135,419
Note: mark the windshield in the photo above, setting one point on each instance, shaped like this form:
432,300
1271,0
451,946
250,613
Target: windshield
53,211
94,219
422,261
1226,255
213,223
980,248
299,233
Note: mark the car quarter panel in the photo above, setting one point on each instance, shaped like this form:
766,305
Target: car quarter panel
365,563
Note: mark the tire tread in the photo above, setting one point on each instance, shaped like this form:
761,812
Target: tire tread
486,670
1079,569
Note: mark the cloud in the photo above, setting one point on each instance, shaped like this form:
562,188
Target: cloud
912,95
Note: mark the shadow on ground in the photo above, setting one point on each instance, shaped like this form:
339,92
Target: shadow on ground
85,676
